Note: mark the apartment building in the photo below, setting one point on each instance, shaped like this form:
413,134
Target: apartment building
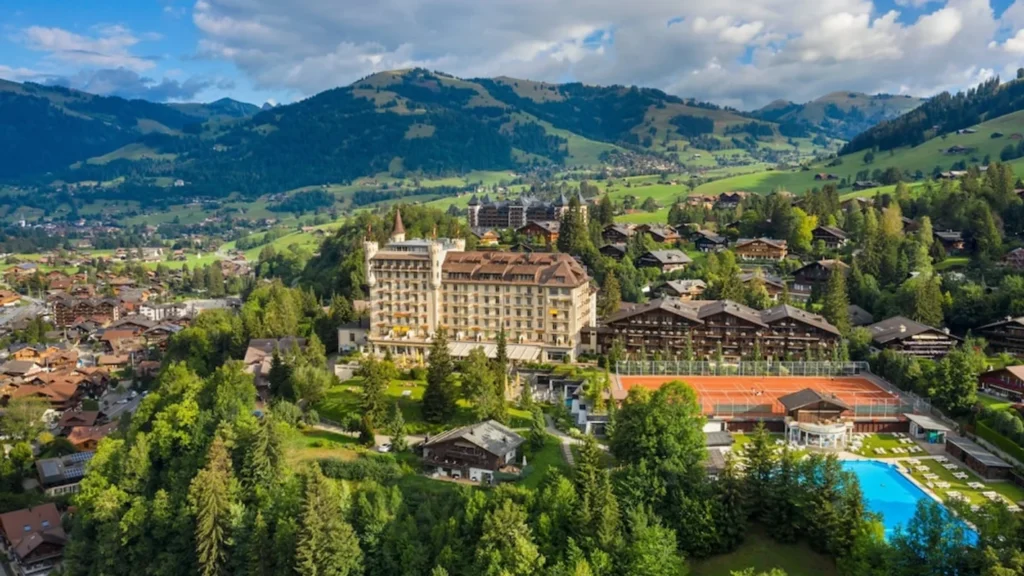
668,326
540,300
516,213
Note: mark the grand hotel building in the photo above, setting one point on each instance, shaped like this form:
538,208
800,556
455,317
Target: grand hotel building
540,300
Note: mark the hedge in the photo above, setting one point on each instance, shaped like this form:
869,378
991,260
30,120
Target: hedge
986,432
380,468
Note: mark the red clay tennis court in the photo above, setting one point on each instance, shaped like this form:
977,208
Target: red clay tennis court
759,395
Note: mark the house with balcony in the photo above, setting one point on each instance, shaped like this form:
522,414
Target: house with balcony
475,452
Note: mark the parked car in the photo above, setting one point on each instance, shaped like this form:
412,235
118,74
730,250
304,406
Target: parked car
384,448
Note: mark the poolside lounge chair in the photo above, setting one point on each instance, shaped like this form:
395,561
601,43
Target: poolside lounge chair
942,459
1013,508
943,485
880,451
975,485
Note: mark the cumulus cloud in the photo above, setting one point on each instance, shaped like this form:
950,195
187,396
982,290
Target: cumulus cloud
108,46
741,52
129,84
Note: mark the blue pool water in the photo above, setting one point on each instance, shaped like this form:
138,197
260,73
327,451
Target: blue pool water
886,492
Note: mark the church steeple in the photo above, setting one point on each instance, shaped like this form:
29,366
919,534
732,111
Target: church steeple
398,234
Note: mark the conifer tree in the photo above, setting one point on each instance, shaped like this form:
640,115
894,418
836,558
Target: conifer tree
836,305
280,378
262,457
211,497
439,398
611,296
326,545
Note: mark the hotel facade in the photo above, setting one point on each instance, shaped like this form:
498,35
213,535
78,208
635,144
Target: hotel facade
416,287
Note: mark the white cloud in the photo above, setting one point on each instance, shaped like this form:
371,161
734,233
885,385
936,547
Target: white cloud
17,74
742,52
108,47
1015,44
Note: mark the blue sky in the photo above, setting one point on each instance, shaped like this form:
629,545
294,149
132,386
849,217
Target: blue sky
738,52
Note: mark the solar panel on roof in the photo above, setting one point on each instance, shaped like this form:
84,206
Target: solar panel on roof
78,457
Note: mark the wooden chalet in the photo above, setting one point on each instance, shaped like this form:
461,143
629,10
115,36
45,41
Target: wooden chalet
707,241
33,539
952,240
683,289
815,275
1014,259
774,285
659,233
667,325
664,260
1008,381
760,249
1006,335
541,231
616,233
475,452
617,251
833,238
912,338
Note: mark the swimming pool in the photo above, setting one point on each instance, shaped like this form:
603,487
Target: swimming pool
886,492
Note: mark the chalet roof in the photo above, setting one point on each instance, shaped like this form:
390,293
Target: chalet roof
806,397
75,418
860,316
64,469
134,320
769,279
1019,320
492,436
688,310
619,247
782,311
28,528
1017,371
733,309
19,367
82,434
552,226
668,256
899,328
261,347
949,235
685,286
620,228
711,236
833,231
659,229
481,232
780,244
722,438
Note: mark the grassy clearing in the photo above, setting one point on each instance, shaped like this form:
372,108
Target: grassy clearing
1007,489
762,553
888,442
344,398
540,462
994,402
313,444
952,263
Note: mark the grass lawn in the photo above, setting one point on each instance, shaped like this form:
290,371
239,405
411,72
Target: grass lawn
993,402
312,444
1007,489
952,262
887,441
344,399
540,462
762,553
741,440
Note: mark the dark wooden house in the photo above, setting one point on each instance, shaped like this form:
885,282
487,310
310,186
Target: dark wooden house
475,452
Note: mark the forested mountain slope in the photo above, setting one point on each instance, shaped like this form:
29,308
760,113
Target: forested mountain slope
841,115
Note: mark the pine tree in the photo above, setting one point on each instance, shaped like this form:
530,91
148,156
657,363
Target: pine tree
688,353
327,545
280,378
605,211
501,366
258,558
836,306
211,497
732,506
262,458
396,429
376,379
611,296
439,398
506,545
